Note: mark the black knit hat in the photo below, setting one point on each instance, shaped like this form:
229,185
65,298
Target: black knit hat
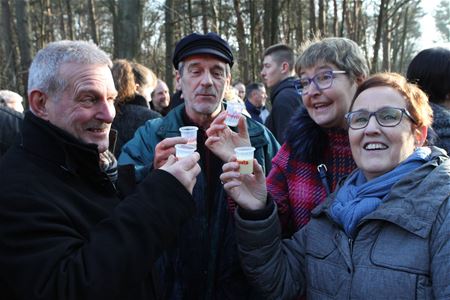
195,43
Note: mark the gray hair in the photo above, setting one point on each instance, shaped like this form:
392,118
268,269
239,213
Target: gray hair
44,70
342,52
7,96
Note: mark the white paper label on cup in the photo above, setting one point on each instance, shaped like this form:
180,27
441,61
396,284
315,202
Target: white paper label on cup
234,110
183,150
244,156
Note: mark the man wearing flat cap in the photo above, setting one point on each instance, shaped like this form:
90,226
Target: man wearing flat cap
204,263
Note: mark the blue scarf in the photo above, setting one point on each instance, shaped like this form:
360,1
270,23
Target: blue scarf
359,197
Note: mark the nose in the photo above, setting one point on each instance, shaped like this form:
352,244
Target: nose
207,79
106,111
372,126
313,89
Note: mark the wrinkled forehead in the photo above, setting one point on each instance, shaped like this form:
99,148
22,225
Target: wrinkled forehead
204,61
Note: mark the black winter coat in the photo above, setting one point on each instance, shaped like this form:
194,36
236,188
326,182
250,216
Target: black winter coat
65,232
10,127
286,99
129,117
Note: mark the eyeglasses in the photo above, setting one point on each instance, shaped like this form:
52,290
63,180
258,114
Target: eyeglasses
386,117
322,80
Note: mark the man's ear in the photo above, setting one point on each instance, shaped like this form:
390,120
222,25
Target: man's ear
37,101
285,67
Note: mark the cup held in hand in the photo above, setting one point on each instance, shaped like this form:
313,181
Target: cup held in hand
244,157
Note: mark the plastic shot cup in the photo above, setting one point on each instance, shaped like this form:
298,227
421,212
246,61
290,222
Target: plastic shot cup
183,150
244,157
190,133
234,110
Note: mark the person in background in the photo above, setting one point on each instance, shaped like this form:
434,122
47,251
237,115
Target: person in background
134,83
67,231
10,129
11,100
430,70
204,263
255,102
240,88
161,98
316,153
278,75
383,234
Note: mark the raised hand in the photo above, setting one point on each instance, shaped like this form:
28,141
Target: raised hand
164,149
185,170
222,140
249,190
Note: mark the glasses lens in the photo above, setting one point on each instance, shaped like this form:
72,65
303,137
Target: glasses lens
304,82
324,79
358,119
389,116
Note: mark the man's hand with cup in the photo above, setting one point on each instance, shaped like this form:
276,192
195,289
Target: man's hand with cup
222,140
165,148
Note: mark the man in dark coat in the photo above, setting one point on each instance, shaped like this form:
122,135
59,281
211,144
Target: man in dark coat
66,233
204,263
278,75
11,125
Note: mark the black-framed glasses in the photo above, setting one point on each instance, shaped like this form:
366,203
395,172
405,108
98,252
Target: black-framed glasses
323,80
386,117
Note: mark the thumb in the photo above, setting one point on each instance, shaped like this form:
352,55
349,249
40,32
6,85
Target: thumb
242,126
170,160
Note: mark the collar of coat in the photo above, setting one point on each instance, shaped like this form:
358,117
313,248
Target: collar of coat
66,153
415,201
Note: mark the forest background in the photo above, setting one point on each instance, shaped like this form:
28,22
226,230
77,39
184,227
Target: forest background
146,31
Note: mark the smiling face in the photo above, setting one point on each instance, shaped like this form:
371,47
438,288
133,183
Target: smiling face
203,82
328,107
376,149
85,109
161,97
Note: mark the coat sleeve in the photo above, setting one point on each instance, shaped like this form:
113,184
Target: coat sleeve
274,266
140,150
440,253
44,256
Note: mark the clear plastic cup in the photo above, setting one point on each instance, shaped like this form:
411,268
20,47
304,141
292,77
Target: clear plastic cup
234,110
190,133
183,150
244,157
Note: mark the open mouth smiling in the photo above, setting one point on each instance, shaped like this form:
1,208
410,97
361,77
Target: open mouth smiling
375,146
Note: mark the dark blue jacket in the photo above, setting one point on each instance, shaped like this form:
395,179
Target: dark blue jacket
286,99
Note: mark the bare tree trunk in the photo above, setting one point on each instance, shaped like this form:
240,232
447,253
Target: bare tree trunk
403,40
62,26
204,16
386,65
191,21
168,29
274,24
129,30
300,30
215,21
335,19
93,21
312,18
9,68
344,13
267,24
69,19
240,34
376,46
23,38
321,20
